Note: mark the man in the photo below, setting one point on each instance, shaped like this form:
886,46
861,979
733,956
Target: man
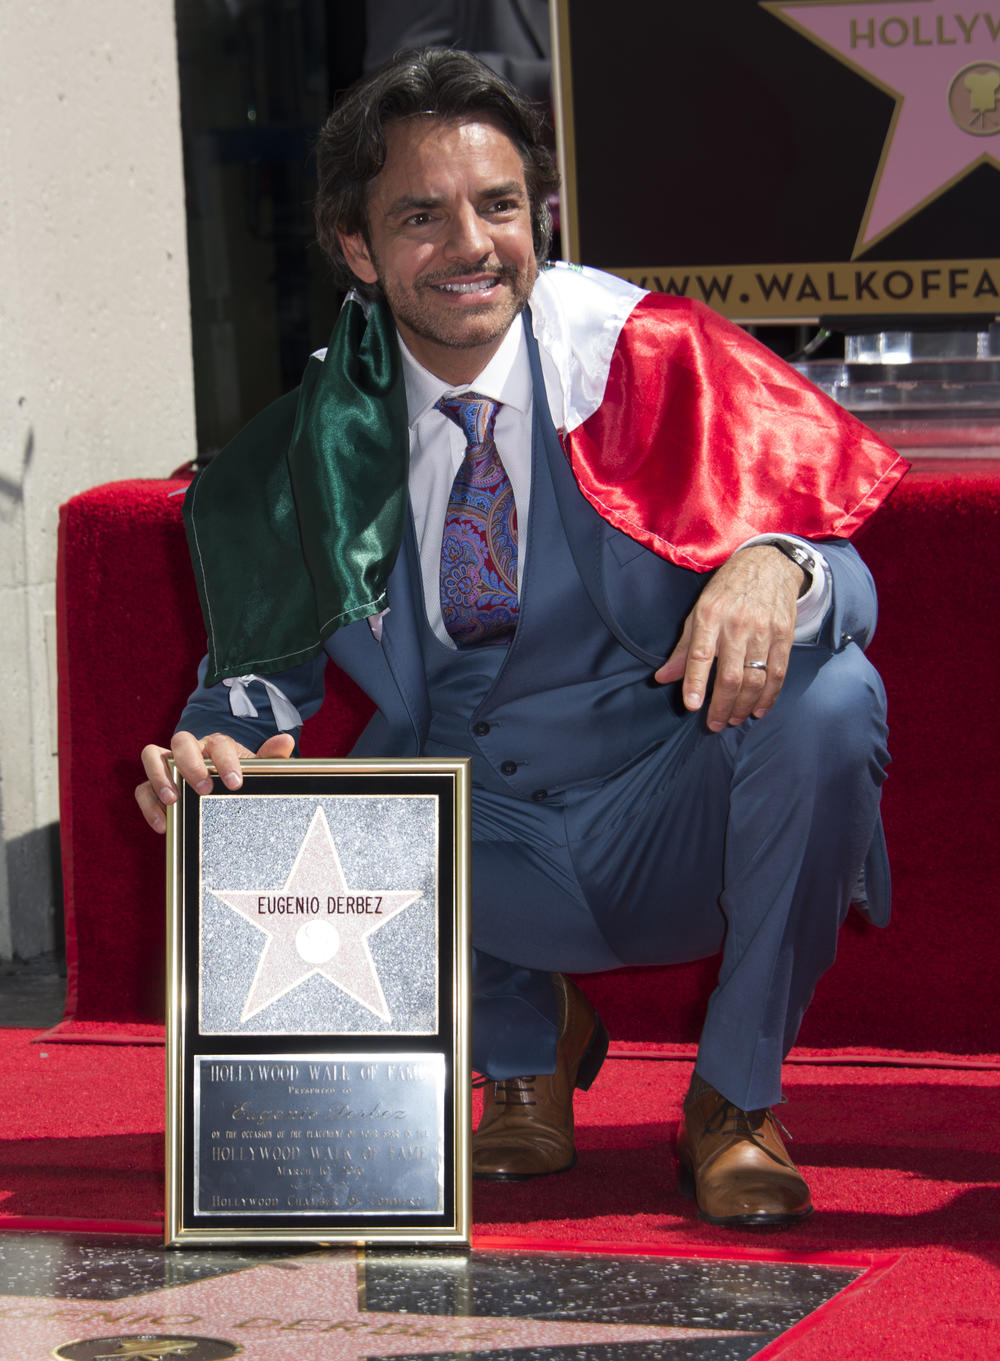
658,774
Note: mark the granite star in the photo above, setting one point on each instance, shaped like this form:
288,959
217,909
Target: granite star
940,60
316,924
316,1306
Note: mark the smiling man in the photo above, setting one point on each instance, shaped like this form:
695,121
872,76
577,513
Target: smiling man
448,240
595,541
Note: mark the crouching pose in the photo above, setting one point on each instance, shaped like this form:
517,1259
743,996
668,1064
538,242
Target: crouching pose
596,541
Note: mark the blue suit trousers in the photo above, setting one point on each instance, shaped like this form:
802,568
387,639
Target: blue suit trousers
749,842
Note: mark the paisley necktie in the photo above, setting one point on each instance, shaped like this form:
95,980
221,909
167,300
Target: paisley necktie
479,545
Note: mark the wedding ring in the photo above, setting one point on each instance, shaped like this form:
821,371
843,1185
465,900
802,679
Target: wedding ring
755,666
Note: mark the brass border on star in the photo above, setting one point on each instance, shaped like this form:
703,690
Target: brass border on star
437,1063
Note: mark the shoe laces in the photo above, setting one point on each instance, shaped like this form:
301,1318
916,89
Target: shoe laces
509,1091
745,1122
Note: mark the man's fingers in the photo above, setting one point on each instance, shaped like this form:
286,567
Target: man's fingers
189,757
734,701
745,661
192,755
158,789
282,744
674,666
742,624
691,659
777,669
154,763
151,807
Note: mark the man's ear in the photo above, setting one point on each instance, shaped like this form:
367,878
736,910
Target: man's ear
357,255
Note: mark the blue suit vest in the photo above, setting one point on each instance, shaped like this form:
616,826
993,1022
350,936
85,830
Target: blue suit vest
564,702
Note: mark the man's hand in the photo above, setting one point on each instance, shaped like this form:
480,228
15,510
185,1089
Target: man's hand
746,613
190,754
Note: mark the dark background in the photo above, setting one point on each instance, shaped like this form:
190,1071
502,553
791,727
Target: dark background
715,134
257,78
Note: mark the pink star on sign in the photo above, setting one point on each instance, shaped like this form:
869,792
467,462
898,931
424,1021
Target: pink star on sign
940,60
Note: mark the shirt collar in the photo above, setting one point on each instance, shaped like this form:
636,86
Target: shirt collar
506,378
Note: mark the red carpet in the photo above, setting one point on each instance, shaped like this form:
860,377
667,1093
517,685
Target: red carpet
900,1153
902,1162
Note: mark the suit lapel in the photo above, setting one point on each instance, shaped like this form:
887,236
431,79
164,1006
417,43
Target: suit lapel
401,640
586,531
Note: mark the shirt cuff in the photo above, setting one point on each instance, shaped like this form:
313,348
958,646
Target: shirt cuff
814,605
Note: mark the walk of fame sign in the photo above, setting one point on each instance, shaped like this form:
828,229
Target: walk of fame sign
786,160
317,1052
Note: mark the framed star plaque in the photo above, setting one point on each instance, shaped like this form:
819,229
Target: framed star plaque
317,1048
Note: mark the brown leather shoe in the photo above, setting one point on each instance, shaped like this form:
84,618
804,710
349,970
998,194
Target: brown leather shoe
527,1125
734,1163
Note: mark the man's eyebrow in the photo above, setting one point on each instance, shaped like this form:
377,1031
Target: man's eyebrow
510,189
406,203
409,203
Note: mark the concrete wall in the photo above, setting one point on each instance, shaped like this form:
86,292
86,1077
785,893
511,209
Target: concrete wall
95,355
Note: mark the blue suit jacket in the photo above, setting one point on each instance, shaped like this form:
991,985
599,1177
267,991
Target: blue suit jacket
642,600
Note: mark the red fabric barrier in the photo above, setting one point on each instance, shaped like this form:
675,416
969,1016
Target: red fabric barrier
131,636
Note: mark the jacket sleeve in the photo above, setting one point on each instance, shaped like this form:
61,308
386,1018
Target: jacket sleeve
209,708
854,608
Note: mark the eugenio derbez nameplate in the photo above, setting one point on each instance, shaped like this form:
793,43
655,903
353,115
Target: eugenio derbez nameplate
317,1026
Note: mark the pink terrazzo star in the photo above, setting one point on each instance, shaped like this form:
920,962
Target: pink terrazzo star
300,1309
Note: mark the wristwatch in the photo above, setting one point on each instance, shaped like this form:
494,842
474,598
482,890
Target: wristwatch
800,555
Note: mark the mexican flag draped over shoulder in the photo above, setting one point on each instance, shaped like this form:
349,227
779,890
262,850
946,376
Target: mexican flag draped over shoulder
681,431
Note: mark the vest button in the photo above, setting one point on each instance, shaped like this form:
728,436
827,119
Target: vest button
508,768
540,795
480,729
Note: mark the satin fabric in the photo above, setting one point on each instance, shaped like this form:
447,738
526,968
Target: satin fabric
681,430
704,438
295,526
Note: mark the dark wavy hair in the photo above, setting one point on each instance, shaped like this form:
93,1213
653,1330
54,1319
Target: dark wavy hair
448,84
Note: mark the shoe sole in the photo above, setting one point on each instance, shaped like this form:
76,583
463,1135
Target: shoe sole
686,1186
523,1176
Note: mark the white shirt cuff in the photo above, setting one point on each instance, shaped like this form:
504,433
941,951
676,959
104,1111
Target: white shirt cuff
814,606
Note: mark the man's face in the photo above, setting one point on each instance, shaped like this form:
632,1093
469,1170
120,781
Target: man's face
449,240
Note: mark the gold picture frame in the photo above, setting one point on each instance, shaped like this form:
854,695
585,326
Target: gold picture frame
317,1015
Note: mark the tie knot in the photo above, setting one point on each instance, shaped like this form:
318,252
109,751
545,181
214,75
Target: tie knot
474,415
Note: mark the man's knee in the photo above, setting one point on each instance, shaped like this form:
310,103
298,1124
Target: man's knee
830,715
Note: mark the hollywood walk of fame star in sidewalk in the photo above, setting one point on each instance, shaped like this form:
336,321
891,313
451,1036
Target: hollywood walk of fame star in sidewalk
320,1309
334,944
